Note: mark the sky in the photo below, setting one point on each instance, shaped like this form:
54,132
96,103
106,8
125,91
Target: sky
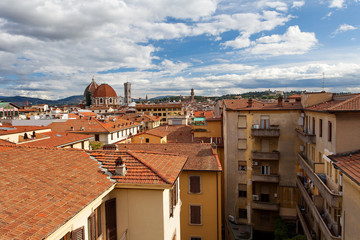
51,49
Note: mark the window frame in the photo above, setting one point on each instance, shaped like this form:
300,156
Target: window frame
189,184
265,170
329,131
243,210
200,210
320,127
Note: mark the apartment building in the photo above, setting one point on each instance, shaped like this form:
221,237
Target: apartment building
104,195
329,125
163,110
259,164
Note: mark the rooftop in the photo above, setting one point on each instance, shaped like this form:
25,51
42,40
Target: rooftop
242,104
37,197
349,164
337,105
200,155
6,130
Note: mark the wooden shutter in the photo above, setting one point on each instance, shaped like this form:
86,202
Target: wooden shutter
92,224
194,184
110,211
195,214
78,234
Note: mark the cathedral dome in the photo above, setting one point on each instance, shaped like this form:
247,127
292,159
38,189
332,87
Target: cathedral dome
91,87
105,90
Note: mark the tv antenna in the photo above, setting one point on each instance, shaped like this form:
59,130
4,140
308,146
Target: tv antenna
323,82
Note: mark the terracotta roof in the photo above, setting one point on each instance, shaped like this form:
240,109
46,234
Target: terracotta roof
294,96
57,139
143,167
160,105
204,113
41,189
88,114
201,157
19,129
105,90
139,117
91,87
348,163
179,134
91,126
242,104
351,104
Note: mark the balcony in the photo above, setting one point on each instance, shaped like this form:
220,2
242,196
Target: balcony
315,213
273,178
265,206
304,223
332,198
306,137
273,131
275,156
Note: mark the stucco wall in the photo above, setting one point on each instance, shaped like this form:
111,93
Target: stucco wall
351,209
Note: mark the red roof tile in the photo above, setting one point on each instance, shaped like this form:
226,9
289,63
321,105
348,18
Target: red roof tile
349,164
143,167
41,189
105,90
57,139
20,129
201,157
351,104
242,104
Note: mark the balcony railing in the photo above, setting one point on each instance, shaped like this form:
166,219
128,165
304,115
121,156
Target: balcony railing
305,224
273,178
265,155
265,206
315,213
332,198
272,131
306,137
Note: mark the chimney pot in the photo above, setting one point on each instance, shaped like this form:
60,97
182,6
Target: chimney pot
250,102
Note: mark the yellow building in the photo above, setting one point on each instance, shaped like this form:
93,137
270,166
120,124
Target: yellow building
155,135
163,110
200,188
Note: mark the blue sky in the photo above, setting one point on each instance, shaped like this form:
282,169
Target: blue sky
51,49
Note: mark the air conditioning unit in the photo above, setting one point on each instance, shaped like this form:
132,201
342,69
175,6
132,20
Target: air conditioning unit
256,197
302,148
231,218
302,114
255,163
256,126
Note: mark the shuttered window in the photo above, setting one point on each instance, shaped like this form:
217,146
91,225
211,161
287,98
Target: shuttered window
195,214
194,184
78,234
94,223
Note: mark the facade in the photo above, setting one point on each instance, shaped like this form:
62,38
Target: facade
259,163
200,188
8,110
147,120
161,110
329,126
96,199
127,93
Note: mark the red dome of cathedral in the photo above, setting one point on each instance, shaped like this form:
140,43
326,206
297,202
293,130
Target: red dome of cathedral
91,87
104,90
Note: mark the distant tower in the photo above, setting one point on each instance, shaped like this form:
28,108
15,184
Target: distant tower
192,95
146,99
127,93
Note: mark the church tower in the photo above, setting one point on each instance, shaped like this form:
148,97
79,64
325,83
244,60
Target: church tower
127,93
192,95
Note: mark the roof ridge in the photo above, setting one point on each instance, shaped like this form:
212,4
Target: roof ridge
344,102
101,124
42,147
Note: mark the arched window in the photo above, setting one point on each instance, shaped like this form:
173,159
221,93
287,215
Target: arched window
101,100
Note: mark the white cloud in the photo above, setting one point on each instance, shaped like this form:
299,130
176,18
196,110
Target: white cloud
298,4
337,3
344,28
293,41
279,6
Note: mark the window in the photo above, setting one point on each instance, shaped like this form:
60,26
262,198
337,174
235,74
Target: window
94,223
195,214
264,198
194,184
242,190
118,134
320,127
265,170
264,122
173,198
147,140
329,131
78,234
313,126
242,213
242,167
101,100
110,100
97,137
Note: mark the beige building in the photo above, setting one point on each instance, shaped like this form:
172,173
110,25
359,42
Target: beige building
259,163
163,110
329,125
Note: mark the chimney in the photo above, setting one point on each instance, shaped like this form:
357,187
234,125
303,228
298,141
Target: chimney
250,102
140,100
109,147
120,168
280,101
